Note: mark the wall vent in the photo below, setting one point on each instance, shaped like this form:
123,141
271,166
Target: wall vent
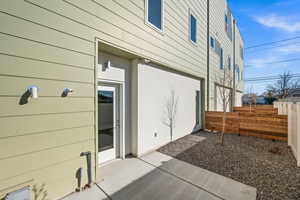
22,194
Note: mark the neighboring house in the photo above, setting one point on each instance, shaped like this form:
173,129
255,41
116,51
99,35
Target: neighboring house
290,99
105,75
294,93
253,99
261,100
247,99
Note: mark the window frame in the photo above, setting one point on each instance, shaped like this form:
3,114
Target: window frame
148,23
229,62
238,73
222,67
226,22
191,13
212,42
242,75
242,52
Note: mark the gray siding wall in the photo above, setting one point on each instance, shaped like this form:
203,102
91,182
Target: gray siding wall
218,9
51,44
239,60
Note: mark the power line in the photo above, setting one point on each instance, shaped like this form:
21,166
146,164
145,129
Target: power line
274,76
270,78
260,84
275,62
270,43
273,47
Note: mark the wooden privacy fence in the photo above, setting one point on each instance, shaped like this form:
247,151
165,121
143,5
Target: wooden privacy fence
259,124
259,109
213,121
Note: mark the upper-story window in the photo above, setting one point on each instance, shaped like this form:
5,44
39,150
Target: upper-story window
242,52
220,52
242,75
212,42
228,24
193,28
154,13
221,58
237,68
229,62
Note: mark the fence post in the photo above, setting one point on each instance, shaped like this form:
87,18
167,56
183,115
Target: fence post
239,121
279,107
297,131
290,122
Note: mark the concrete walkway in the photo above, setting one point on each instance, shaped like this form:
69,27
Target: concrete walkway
157,176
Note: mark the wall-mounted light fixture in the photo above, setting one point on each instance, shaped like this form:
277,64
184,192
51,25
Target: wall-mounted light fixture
146,61
106,65
33,90
66,91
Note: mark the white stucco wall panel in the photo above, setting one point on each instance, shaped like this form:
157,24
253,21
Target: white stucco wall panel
238,99
154,91
219,98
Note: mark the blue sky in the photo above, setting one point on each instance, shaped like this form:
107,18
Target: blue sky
262,21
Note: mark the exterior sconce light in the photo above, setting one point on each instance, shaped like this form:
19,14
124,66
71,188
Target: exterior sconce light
66,92
106,65
146,61
33,91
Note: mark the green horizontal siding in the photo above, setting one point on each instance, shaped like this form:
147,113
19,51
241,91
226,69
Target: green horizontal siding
41,139
51,44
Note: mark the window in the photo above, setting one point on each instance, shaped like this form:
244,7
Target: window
229,62
154,13
221,59
238,73
242,75
228,24
212,42
193,28
219,51
242,52
217,46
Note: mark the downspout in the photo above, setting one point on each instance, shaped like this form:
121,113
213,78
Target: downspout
234,63
88,155
208,56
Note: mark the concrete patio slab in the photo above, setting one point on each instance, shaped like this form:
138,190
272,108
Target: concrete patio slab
209,181
159,177
93,193
118,174
135,179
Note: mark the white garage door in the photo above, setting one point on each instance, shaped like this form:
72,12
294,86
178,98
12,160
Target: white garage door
238,99
219,98
156,88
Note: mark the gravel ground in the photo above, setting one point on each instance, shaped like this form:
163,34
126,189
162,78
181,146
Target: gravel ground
244,159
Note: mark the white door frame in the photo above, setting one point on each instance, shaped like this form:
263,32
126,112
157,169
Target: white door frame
121,112
111,154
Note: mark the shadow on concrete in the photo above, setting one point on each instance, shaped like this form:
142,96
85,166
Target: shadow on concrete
159,184
157,176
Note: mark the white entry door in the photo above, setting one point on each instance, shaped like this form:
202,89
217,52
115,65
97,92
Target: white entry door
108,123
